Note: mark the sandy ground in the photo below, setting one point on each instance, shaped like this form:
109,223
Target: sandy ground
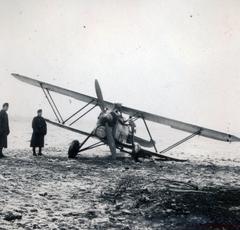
53,192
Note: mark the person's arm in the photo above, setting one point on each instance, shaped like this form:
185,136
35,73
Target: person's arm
7,125
34,125
45,126
1,125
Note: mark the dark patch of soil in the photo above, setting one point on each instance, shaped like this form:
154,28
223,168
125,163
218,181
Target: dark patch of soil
173,204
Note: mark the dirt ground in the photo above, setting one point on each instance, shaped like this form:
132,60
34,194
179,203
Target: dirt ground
53,192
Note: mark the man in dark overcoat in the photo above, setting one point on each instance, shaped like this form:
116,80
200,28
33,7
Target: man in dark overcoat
4,128
39,127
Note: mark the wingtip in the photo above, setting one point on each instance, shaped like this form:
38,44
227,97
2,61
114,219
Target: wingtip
235,139
15,75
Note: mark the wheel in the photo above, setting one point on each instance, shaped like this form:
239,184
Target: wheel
73,149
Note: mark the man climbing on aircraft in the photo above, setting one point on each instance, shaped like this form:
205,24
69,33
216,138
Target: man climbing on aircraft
111,117
115,115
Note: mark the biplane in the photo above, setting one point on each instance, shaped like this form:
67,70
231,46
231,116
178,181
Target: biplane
113,128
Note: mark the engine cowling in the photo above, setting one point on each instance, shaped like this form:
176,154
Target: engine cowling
101,132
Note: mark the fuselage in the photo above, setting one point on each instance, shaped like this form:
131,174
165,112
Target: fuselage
120,129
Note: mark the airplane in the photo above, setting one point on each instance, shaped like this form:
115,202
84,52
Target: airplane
115,131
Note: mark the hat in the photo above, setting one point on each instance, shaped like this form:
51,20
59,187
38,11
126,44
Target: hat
39,111
5,104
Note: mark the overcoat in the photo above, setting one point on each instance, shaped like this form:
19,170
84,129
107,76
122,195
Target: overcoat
39,127
4,128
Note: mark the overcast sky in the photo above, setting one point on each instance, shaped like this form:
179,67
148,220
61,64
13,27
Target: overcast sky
178,59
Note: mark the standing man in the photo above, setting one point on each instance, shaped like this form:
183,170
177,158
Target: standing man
39,131
4,128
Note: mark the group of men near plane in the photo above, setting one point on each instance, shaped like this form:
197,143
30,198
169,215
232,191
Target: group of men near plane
39,127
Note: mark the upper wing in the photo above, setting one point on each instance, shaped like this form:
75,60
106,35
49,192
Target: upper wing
57,89
209,133
134,112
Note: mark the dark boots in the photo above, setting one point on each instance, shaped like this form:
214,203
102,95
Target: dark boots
1,154
39,153
34,151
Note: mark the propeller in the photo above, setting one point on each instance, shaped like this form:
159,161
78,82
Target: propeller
110,138
99,95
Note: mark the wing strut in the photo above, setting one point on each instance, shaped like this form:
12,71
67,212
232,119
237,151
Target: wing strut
85,106
52,104
150,135
181,141
93,107
57,112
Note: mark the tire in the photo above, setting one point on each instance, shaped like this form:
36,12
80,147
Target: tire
73,149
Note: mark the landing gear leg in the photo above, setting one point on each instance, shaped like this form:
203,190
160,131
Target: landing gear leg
135,148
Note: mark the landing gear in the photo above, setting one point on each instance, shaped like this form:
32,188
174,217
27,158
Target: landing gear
73,149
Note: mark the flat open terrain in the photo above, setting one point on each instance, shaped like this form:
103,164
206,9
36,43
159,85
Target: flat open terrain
53,192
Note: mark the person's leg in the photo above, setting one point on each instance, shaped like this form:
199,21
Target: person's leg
34,151
1,153
40,151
